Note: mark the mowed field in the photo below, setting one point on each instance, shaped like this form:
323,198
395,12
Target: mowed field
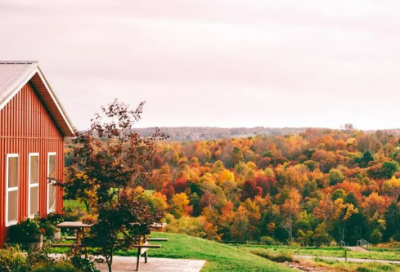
374,253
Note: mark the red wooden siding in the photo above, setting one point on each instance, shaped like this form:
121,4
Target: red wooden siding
26,127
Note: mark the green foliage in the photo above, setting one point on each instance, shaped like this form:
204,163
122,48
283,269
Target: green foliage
83,264
39,257
335,177
72,213
376,236
219,257
267,240
389,168
24,231
12,259
56,267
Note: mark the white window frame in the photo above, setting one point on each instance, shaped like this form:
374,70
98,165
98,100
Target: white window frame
12,189
47,180
32,185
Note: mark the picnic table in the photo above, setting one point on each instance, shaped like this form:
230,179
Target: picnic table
142,242
80,228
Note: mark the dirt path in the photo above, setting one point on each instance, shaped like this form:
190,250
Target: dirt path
357,248
353,260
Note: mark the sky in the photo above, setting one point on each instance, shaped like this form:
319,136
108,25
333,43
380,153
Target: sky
223,63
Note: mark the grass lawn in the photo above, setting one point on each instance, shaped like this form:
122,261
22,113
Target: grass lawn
356,267
219,257
325,251
74,204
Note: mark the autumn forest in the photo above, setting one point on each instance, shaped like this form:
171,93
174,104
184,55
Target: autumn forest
320,186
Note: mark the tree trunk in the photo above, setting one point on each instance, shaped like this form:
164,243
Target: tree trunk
109,263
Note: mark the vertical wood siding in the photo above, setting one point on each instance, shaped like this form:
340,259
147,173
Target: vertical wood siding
26,127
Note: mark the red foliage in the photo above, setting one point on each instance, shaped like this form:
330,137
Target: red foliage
251,190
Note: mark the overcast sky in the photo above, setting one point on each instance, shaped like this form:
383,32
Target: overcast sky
225,63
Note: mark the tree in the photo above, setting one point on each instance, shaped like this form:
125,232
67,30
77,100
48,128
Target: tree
112,159
349,127
392,188
179,204
251,190
321,234
389,168
335,177
290,212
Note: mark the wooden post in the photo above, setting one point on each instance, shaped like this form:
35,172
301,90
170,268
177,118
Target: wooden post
345,255
138,258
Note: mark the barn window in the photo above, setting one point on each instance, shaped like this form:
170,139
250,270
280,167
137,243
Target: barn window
12,189
51,188
33,203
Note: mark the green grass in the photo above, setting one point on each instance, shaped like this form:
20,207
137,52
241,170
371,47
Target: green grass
74,204
219,257
324,251
357,267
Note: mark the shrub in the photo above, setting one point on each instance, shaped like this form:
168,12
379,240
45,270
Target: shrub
267,240
23,231
56,267
12,260
83,265
48,223
279,258
39,257
55,218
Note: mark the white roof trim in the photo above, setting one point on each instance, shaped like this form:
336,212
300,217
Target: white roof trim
48,88
55,99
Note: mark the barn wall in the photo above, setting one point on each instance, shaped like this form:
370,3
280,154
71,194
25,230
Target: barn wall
26,127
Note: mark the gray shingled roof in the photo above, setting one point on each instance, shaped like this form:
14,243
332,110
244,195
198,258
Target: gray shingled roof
15,74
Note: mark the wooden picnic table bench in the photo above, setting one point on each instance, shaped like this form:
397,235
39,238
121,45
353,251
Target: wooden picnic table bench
80,234
143,249
143,242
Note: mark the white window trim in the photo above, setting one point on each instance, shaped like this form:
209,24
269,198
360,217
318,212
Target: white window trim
32,185
12,189
47,180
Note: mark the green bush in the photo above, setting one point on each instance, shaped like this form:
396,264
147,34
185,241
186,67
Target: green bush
23,231
279,258
12,259
39,257
57,267
55,218
266,240
83,264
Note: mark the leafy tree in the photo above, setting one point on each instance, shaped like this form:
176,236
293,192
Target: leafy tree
110,160
179,204
335,177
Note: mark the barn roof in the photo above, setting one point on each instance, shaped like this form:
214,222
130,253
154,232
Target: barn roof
15,74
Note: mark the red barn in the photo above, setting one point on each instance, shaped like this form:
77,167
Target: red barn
33,125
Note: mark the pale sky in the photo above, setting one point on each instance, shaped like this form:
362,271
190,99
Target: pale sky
227,63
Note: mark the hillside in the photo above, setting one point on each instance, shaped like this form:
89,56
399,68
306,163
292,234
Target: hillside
319,186
219,257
